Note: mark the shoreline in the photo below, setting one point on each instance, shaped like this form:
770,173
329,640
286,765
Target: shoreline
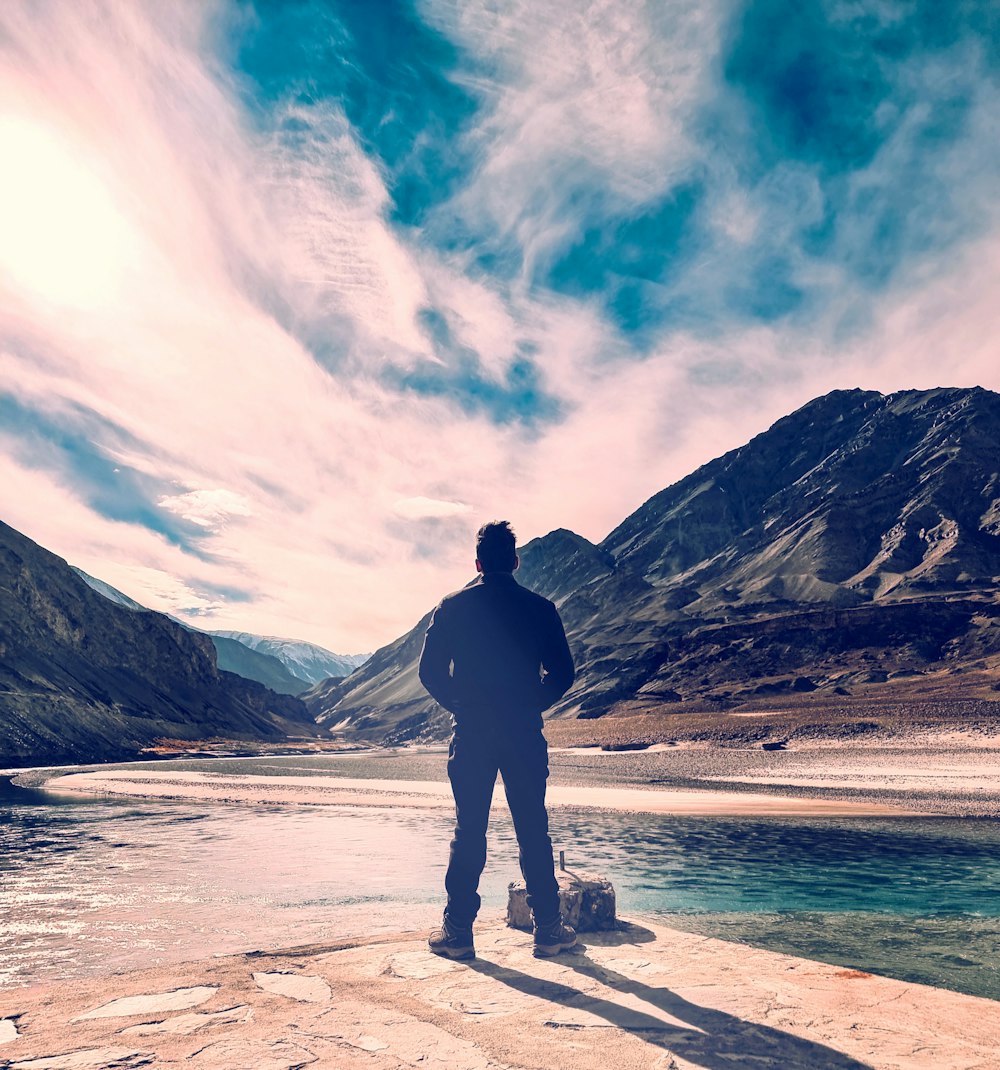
946,775
643,996
343,791
943,770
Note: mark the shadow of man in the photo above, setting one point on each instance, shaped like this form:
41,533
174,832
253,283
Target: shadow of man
706,1037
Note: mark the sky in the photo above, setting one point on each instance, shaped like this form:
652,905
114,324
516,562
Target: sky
294,295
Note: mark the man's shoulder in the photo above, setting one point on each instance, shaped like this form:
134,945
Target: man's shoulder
536,599
457,598
462,592
476,591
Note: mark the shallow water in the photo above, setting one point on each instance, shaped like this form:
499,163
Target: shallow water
93,885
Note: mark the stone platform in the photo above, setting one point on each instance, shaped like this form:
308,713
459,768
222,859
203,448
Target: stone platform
641,997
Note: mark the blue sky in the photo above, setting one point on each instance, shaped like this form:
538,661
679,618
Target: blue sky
294,295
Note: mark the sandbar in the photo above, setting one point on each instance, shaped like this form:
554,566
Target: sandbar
343,791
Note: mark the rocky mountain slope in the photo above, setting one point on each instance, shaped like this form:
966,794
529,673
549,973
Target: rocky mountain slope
85,679
232,656
284,665
855,542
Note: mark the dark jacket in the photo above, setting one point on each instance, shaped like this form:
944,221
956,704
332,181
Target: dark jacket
496,652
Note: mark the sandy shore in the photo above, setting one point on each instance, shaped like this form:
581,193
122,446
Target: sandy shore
645,997
947,774
343,791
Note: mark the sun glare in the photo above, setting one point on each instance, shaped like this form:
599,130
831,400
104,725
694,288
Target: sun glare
62,238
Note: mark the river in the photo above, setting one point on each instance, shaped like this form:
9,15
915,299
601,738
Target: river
93,885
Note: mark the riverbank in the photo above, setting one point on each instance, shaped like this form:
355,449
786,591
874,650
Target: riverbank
949,774
304,790
645,997
952,774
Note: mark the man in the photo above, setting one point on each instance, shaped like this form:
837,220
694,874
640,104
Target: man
495,656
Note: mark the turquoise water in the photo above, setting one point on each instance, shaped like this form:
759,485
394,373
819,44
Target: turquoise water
95,885
900,866
913,898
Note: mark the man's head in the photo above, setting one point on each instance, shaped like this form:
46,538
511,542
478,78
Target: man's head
496,547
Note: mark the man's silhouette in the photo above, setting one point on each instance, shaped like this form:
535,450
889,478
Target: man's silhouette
495,656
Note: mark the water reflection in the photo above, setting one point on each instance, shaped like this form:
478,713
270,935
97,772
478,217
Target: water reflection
93,885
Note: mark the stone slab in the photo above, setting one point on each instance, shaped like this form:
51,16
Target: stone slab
638,998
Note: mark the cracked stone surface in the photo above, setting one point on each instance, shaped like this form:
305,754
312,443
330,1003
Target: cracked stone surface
644,998
180,999
418,965
367,1043
88,1059
407,1039
294,986
192,1023
253,1053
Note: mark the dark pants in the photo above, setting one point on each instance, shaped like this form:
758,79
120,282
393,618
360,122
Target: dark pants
522,760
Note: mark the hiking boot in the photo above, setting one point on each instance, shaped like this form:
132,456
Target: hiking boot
553,937
452,942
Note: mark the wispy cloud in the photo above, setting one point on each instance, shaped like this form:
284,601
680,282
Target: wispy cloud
419,508
207,508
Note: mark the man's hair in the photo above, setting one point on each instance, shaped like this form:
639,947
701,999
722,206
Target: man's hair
496,546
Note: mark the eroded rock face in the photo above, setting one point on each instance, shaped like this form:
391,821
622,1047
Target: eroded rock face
587,902
850,498
83,679
860,532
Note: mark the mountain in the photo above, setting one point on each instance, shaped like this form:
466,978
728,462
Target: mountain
855,542
237,657
109,592
854,497
284,665
305,661
83,678
231,655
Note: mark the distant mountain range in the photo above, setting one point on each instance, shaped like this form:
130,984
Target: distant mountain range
284,665
305,661
86,678
857,541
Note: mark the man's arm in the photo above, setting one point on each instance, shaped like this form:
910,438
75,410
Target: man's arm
435,660
557,661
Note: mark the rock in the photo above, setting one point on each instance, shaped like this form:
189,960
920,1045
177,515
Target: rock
88,1059
186,1024
305,988
180,999
367,1043
86,679
587,902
